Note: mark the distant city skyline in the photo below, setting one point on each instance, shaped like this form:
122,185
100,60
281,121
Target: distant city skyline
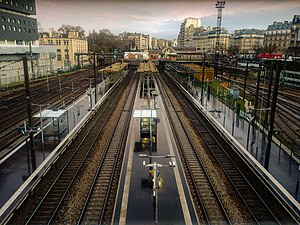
162,18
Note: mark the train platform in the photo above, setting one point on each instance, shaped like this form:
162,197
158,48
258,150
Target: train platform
282,165
16,166
135,202
135,192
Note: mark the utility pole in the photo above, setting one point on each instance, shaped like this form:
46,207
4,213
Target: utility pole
95,77
29,111
245,82
257,92
202,80
31,61
269,95
272,115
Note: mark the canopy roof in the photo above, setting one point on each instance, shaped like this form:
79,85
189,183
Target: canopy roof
51,113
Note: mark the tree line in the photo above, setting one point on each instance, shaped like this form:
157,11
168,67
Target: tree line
102,41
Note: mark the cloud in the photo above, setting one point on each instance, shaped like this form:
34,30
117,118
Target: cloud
259,19
161,17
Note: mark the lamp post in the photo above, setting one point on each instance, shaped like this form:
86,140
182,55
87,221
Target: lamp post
281,137
95,75
155,179
72,89
89,93
250,119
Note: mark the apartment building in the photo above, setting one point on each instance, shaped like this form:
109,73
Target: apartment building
139,42
187,30
278,37
205,41
154,43
246,42
294,47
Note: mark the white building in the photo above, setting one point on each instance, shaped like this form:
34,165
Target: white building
187,30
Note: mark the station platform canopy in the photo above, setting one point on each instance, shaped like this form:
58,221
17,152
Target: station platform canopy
59,124
114,68
144,113
148,67
47,113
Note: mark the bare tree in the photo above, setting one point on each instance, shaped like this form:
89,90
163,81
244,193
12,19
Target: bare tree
233,50
65,29
270,49
104,41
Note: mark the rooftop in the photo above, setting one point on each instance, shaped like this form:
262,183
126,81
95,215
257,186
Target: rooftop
280,26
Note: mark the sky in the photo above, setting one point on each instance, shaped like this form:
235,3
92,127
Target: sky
161,18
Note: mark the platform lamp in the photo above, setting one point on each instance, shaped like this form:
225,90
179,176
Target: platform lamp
155,180
249,119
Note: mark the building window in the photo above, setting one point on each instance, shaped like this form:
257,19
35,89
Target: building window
14,20
19,42
3,18
17,4
14,28
28,22
19,21
59,57
66,50
8,19
24,29
26,6
29,30
58,50
33,31
20,29
3,27
10,28
31,8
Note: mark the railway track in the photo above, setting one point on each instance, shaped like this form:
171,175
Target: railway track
205,194
258,205
79,162
287,116
287,113
98,207
9,135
